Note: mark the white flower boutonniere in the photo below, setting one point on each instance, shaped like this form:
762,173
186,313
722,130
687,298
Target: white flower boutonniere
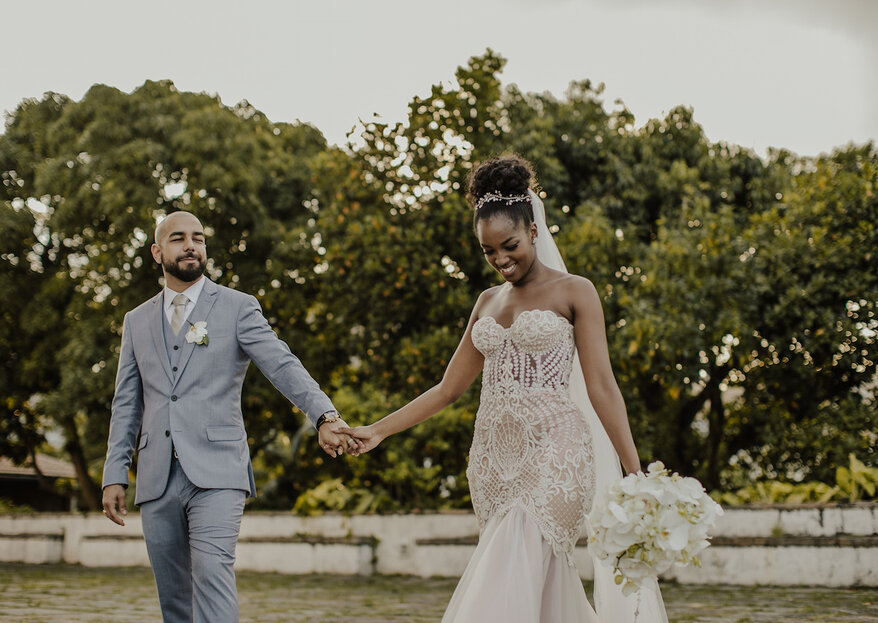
197,333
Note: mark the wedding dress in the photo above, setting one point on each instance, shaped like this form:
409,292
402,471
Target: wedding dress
531,478
538,458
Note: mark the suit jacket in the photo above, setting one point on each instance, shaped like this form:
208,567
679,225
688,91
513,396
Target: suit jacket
197,409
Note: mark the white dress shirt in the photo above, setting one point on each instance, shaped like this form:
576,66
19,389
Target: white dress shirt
192,293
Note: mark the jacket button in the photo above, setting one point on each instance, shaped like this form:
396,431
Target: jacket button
174,397
175,368
176,347
167,433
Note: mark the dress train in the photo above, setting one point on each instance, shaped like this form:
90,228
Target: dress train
515,576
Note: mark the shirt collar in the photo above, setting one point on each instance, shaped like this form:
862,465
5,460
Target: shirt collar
192,292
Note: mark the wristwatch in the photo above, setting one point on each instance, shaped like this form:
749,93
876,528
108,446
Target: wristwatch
330,416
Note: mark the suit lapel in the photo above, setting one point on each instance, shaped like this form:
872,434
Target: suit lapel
158,333
201,311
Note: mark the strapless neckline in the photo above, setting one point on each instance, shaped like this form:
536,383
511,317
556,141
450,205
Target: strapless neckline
525,312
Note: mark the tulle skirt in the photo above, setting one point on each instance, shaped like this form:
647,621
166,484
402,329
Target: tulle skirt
515,576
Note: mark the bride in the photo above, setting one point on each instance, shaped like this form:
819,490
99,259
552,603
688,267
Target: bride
543,448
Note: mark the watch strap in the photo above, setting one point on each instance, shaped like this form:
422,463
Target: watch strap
329,416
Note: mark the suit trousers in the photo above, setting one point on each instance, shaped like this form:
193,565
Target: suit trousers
190,536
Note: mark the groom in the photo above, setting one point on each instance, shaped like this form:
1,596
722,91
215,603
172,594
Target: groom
182,362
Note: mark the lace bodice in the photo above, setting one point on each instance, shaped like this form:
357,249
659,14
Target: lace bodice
532,355
531,447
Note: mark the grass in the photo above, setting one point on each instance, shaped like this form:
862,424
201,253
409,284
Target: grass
74,594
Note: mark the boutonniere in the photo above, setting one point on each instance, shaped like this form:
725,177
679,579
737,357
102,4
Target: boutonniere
197,333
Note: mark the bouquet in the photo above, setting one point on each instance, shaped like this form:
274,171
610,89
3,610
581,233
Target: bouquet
645,523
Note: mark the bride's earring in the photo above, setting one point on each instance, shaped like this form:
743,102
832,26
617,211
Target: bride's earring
533,240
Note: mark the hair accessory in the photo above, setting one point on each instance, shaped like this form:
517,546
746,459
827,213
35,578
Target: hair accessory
496,196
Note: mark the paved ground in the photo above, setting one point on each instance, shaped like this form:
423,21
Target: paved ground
72,594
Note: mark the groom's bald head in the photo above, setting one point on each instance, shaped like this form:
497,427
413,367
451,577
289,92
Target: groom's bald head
181,218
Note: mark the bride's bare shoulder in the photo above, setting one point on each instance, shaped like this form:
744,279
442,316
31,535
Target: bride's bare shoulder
484,299
490,293
577,283
585,300
580,294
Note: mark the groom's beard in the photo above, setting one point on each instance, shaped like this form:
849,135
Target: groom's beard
188,272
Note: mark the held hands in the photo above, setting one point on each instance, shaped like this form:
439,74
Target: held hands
336,443
366,436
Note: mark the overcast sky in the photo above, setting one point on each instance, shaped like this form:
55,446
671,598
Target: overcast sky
799,74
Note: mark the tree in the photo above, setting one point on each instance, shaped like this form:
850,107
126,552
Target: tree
740,329
739,292
810,378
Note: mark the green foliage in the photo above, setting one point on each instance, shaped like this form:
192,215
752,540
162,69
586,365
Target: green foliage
853,483
739,292
857,481
7,507
335,495
743,326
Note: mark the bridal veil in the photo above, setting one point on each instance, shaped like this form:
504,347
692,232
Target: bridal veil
611,605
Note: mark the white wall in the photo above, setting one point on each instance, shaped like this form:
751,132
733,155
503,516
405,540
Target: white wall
835,545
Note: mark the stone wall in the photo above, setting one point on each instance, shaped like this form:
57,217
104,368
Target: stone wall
829,545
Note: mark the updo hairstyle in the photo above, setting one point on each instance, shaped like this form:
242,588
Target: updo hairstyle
507,176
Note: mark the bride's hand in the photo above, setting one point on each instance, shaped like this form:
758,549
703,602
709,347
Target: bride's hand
366,435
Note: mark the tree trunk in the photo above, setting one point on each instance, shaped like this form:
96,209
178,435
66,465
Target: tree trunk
715,433
91,493
45,484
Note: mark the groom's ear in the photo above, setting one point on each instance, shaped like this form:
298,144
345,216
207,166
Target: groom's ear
156,253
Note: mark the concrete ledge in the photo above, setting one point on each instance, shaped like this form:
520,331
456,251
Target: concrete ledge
308,553
831,545
113,550
302,557
36,548
460,540
783,566
841,540
313,539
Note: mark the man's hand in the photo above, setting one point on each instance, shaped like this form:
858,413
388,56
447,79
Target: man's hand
114,497
365,436
335,444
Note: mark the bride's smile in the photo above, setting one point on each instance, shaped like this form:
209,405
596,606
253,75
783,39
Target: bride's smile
508,247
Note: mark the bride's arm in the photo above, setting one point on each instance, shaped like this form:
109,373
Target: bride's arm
603,391
462,370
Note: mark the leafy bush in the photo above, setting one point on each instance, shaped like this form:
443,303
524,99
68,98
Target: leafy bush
8,507
853,483
334,495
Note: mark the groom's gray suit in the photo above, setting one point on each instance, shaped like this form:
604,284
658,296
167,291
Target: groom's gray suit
179,404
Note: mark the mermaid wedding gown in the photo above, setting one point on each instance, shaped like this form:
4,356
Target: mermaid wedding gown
530,476
532,479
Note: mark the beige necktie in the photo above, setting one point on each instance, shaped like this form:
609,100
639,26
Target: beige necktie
177,317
